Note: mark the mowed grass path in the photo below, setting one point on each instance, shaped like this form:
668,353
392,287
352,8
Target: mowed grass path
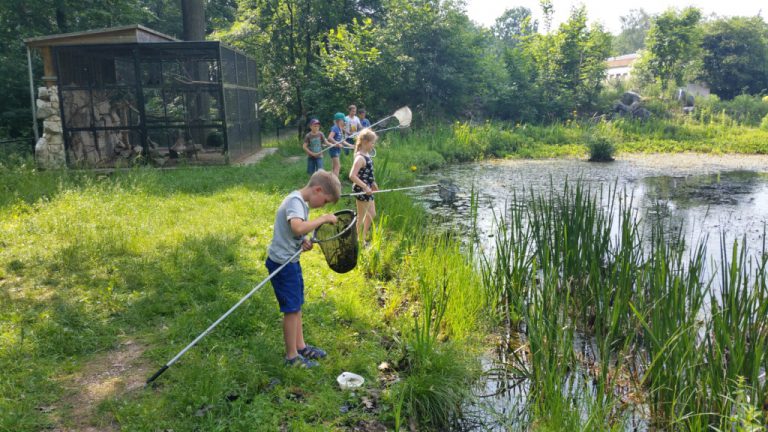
90,261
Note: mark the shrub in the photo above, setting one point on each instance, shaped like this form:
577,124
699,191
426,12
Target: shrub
601,148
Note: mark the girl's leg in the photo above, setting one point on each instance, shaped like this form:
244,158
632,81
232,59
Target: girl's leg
366,211
369,220
336,165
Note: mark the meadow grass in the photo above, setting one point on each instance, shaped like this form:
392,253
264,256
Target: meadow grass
92,260
89,261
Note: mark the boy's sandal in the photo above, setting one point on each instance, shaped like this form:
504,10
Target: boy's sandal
312,352
300,361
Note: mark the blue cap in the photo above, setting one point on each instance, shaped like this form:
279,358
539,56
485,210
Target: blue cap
338,116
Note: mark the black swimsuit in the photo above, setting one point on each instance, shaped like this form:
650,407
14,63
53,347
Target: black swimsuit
366,175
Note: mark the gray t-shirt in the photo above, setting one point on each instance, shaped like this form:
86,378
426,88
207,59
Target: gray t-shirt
284,242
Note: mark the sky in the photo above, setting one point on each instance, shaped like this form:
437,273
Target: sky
608,12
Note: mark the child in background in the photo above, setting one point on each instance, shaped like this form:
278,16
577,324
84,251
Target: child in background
291,225
363,179
353,126
313,142
336,139
364,122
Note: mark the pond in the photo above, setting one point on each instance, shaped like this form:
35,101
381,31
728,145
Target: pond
706,195
703,197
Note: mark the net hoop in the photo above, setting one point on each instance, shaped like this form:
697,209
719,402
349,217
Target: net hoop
352,224
340,248
403,116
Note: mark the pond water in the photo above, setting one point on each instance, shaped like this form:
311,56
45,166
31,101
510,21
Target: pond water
704,195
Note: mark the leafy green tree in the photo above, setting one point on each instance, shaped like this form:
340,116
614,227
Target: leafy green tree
570,65
672,46
286,38
514,25
634,28
735,57
432,57
348,69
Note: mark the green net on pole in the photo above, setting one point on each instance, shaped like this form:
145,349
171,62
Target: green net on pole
339,241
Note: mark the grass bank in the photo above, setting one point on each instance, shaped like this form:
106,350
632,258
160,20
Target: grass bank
92,264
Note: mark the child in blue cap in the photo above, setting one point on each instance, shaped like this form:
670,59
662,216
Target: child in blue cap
336,138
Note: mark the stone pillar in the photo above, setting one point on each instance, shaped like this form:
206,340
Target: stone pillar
49,149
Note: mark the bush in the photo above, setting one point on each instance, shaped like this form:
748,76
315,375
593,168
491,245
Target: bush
764,123
601,148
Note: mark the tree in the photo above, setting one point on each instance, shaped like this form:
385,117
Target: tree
672,46
735,57
434,55
570,65
514,25
348,68
286,38
634,28
193,17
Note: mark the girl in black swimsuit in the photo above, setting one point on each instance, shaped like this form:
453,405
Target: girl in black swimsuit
362,177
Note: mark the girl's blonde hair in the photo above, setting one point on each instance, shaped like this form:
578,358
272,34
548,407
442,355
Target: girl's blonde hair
366,135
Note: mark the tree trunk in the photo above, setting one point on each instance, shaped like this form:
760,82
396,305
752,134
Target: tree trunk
61,17
193,16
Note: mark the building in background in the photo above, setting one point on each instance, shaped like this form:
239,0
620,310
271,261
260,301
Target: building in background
127,95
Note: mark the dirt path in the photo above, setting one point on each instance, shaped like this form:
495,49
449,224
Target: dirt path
110,374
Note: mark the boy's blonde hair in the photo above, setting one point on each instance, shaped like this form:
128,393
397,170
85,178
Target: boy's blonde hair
328,181
365,135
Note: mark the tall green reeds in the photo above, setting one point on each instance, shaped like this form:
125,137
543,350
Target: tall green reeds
612,316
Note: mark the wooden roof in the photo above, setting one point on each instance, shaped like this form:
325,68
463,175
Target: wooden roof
124,34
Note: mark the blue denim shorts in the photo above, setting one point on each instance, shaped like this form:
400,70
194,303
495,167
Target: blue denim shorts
314,164
288,285
334,152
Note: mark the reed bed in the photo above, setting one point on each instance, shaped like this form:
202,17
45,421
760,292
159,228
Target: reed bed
609,324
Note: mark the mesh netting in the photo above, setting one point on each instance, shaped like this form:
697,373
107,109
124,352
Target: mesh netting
339,241
447,191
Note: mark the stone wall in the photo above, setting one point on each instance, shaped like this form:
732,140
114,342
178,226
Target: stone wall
49,149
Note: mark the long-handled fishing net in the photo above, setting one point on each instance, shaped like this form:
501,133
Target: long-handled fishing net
447,190
398,120
340,243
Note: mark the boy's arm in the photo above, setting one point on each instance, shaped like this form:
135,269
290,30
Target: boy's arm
301,227
306,148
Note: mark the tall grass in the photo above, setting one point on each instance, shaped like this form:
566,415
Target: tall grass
613,317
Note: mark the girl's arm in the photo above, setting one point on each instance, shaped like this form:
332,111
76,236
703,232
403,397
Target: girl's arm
333,140
353,174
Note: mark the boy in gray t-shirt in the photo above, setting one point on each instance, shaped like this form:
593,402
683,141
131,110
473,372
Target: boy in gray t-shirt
291,225
313,146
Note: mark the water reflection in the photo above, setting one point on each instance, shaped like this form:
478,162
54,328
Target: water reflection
703,195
